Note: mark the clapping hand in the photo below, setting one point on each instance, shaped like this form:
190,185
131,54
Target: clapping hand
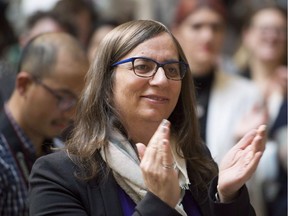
157,166
239,164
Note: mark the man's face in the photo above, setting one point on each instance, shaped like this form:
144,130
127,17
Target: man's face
45,110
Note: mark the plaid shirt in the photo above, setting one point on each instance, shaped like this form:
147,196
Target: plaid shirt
15,166
13,190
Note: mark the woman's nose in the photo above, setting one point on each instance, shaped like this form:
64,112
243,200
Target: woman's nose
159,77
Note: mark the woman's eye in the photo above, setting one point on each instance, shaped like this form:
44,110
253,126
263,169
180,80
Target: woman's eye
173,72
141,67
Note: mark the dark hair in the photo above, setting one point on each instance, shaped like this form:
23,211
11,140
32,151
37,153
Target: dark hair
69,10
7,35
38,15
37,58
253,11
73,7
40,55
96,115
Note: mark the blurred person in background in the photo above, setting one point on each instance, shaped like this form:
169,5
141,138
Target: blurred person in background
7,36
7,39
228,105
263,59
81,14
101,29
7,81
38,23
42,22
48,83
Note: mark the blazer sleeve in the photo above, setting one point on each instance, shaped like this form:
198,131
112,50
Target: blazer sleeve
53,190
238,207
152,205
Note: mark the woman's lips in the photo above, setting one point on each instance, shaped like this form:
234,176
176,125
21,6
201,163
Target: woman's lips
156,98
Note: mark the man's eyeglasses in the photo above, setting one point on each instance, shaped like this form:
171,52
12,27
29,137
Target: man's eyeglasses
66,99
146,67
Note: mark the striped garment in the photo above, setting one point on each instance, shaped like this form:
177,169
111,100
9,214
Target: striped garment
17,156
13,190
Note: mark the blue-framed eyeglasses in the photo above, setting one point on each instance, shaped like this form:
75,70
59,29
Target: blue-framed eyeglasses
146,67
66,99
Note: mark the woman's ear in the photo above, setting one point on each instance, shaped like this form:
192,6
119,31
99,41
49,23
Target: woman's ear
23,81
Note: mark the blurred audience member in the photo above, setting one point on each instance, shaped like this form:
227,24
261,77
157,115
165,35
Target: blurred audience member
100,30
265,63
42,22
265,42
200,26
7,37
49,81
38,23
7,81
228,105
79,13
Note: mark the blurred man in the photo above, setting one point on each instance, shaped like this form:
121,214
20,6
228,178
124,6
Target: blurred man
48,84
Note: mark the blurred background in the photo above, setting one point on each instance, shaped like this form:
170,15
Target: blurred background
90,20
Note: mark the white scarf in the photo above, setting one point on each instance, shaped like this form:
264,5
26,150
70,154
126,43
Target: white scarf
123,160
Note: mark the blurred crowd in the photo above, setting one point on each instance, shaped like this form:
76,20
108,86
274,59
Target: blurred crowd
237,52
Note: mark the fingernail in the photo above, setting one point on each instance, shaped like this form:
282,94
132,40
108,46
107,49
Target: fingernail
165,122
262,128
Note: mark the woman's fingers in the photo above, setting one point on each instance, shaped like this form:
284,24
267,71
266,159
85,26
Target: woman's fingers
262,132
246,140
141,150
168,162
250,136
150,155
157,163
241,162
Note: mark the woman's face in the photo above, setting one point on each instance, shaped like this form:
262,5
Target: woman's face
147,99
266,38
201,35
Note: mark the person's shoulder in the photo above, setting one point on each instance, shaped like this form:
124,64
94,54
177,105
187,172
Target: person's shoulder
57,166
5,152
58,158
9,174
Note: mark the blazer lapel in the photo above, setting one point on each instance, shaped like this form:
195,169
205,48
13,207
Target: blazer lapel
103,196
109,193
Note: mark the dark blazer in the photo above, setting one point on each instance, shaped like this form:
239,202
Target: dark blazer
54,190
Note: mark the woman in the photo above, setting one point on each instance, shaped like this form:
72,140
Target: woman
265,43
228,106
124,158
223,101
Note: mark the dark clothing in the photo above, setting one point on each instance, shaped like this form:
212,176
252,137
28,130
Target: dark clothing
7,81
203,86
17,155
54,190
128,205
277,206
281,119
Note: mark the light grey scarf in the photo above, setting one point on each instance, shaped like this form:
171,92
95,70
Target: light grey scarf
123,160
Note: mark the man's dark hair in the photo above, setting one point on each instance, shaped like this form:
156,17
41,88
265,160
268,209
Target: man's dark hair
38,15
